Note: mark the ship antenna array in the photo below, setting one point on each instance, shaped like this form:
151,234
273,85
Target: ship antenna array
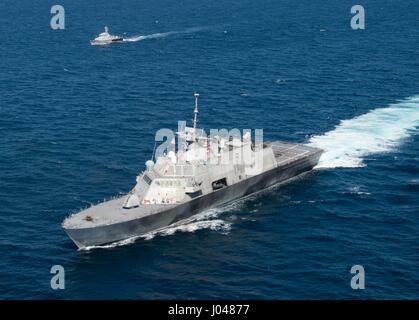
195,120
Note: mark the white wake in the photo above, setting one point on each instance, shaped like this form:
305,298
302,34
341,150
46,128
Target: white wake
380,130
162,35
205,220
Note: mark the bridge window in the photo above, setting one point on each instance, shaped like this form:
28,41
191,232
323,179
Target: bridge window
147,179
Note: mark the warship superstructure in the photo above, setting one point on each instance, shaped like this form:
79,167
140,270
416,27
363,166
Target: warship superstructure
205,171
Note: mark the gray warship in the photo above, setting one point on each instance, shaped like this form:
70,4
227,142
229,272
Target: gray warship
182,183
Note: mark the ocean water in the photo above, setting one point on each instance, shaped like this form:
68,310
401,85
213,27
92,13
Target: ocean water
77,124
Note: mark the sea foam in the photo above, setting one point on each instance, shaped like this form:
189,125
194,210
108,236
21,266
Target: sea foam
205,220
380,130
162,34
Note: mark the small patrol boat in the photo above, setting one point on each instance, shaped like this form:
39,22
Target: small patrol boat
106,38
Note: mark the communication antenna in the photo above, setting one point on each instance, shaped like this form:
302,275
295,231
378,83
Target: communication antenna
195,120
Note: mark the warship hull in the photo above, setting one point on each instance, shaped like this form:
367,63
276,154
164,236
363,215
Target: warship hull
290,164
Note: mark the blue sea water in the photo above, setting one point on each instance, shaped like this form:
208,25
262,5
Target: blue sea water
77,123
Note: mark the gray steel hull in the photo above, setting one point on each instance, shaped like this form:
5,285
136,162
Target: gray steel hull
101,235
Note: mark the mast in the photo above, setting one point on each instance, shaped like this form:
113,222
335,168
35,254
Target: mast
195,111
195,120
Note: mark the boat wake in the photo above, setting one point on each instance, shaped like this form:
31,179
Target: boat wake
162,35
205,220
380,130
216,225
